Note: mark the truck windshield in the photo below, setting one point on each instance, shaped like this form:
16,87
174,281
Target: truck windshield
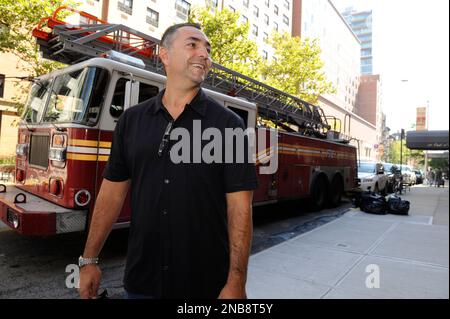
74,97
35,104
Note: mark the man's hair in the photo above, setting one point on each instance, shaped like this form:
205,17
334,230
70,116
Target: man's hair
168,35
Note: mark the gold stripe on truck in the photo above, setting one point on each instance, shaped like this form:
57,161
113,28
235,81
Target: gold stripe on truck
87,157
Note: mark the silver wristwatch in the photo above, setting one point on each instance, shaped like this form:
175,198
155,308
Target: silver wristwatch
87,261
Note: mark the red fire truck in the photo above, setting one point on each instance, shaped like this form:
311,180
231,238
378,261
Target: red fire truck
66,130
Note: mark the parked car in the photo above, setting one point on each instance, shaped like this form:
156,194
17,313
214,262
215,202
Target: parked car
419,176
390,170
372,176
409,177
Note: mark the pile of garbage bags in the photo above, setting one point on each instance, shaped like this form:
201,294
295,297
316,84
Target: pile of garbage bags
373,203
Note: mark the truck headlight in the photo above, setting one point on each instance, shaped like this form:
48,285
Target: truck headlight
22,149
57,154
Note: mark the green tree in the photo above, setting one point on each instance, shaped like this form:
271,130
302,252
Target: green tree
439,163
231,46
297,67
17,20
394,153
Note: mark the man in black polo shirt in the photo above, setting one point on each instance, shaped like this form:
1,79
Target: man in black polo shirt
191,223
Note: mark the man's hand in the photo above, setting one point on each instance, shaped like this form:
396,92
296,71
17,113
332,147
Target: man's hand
107,209
233,291
89,281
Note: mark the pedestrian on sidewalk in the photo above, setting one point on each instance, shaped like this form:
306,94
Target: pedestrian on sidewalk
191,223
430,177
438,180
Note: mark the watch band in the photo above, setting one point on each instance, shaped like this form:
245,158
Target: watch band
82,261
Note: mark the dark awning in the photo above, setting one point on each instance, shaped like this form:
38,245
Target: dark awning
427,140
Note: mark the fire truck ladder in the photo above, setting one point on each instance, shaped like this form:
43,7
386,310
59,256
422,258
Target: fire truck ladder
71,44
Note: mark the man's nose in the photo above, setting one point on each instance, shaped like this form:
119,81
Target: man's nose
203,52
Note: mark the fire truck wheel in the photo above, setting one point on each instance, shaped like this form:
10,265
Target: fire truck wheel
336,191
318,198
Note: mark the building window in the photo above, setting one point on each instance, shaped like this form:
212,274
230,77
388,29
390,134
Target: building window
285,20
265,55
256,11
125,6
244,19
152,17
265,37
232,9
267,3
275,26
182,7
245,2
287,4
214,3
275,9
255,30
266,19
2,85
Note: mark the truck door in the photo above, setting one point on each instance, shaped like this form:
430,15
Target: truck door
125,92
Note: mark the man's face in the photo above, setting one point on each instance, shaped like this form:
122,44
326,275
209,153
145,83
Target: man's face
188,57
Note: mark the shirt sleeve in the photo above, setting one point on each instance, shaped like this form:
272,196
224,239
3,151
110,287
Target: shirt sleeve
239,175
116,169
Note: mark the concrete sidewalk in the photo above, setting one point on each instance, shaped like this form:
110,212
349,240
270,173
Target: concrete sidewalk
410,254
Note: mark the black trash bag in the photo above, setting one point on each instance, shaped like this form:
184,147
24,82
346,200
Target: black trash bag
397,206
373,203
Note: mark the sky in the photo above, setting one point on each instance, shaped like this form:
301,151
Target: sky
411,53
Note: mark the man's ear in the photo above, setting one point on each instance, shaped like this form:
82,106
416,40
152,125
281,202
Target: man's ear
164,55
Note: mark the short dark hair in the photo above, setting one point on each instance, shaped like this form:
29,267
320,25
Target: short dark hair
167,37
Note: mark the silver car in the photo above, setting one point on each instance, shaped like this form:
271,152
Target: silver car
372,177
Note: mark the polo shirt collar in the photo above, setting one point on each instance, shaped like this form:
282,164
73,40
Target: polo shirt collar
198,103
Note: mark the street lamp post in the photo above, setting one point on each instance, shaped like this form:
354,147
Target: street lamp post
427,128
402,135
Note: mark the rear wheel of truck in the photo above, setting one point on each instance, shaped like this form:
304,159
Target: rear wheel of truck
336,191
318,198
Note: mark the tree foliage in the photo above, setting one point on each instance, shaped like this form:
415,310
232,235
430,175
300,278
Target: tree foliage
297,67
17,20
394,154
231,46
439,163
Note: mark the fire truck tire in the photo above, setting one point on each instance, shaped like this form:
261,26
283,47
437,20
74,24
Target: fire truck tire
319,198
336,191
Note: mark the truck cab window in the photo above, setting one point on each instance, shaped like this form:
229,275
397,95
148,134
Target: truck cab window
146,91
243,114
118,100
